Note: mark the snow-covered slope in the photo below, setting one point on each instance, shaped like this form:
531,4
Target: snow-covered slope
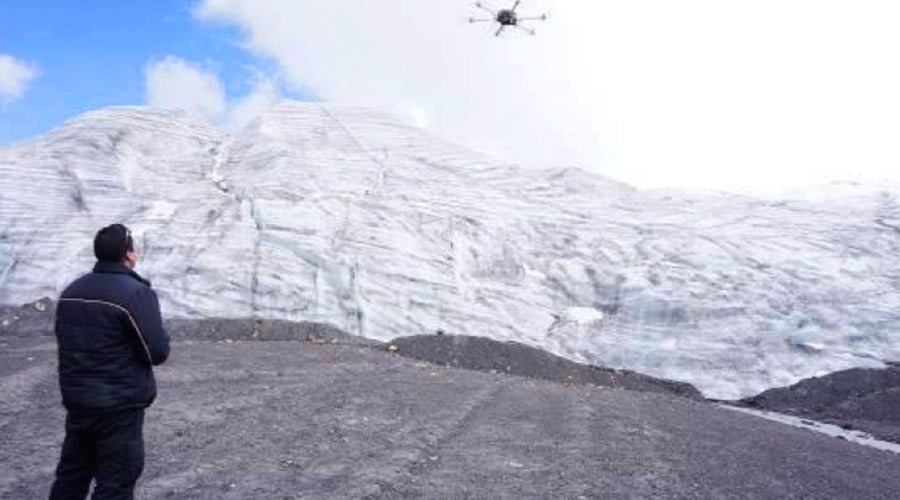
348,216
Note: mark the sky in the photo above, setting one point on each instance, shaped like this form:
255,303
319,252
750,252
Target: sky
711,94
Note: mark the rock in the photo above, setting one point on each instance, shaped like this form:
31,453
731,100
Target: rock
512,358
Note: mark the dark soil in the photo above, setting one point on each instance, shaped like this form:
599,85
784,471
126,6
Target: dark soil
258,329
473,353
512,358
862,399
36,319
244,420
327,415
30,320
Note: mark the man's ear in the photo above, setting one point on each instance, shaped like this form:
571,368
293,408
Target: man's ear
131,258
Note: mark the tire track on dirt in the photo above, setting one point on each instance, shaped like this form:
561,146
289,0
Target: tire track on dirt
210,429
22,394
16,389
428,457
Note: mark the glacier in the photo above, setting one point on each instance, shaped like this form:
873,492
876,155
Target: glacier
349,216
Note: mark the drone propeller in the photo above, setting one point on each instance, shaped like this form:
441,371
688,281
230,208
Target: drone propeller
527,30
542,17
500,30
482,7
516,6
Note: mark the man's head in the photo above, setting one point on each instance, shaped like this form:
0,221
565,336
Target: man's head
114,244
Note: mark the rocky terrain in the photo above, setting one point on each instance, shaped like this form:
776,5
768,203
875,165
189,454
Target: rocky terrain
859,399
868,400
291,419
512,358
473,353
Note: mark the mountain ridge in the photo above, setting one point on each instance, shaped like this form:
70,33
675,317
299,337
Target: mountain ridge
347,216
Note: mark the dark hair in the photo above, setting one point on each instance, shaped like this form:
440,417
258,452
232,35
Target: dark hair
112,243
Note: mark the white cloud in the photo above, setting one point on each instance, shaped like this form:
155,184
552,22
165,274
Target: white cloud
176,84
704,93
264,95
15,76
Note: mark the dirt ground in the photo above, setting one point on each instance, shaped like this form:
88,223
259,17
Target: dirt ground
300,420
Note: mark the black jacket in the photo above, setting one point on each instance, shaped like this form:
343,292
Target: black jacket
110,335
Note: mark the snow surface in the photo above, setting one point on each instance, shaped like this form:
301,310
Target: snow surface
348,216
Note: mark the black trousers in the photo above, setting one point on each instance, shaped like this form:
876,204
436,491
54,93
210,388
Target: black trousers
107,448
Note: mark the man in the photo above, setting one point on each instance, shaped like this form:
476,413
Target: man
110,335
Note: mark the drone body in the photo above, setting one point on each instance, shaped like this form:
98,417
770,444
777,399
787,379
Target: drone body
507,18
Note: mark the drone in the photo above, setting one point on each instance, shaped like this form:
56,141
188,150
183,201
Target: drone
507,18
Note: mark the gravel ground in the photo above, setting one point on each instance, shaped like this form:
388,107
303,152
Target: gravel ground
312,420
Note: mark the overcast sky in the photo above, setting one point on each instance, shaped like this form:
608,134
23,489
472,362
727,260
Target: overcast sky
692,93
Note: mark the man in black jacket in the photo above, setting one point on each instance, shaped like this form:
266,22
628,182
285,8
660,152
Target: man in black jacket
110,335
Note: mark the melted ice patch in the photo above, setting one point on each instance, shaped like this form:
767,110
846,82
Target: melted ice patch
857,437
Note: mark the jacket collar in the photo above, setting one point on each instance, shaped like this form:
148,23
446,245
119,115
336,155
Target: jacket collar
118,268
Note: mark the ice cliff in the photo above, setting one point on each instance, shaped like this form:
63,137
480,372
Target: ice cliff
348,216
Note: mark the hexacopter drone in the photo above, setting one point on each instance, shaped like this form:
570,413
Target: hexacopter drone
507,18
